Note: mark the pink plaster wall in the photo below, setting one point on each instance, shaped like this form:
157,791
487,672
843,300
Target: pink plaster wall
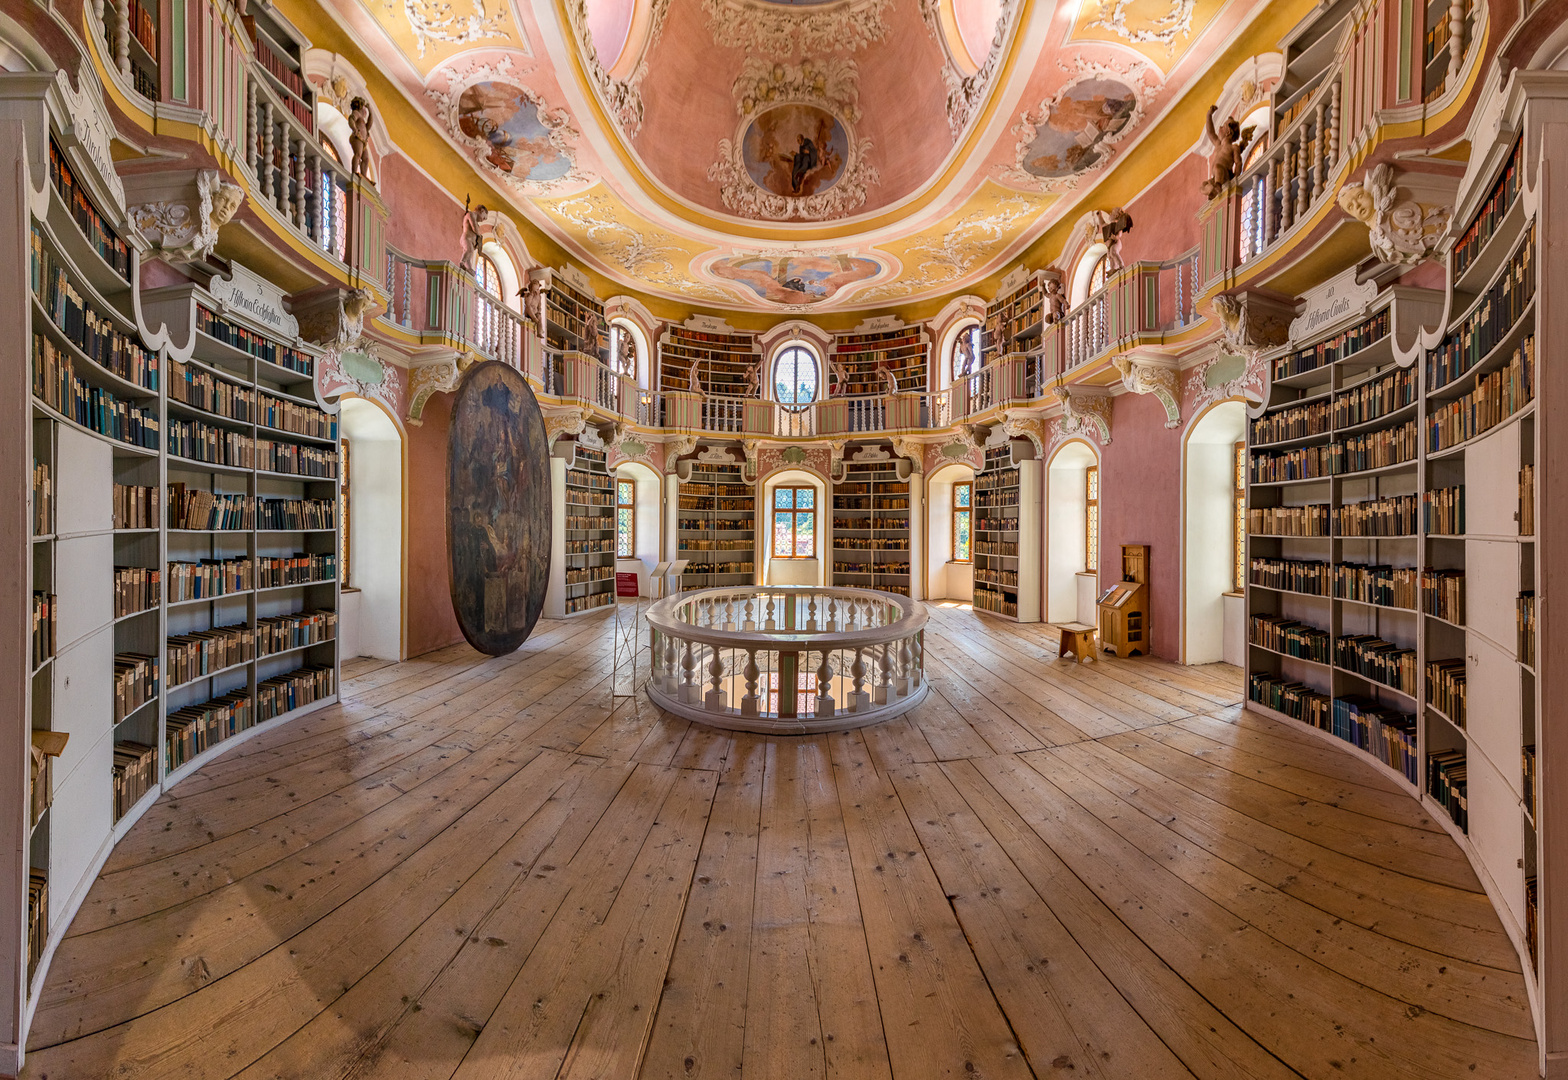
1140,503
431,622
423,221
1165,218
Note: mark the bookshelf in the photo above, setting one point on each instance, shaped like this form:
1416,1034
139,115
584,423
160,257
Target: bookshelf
716,527
999,524
1435,44
280,56
871,527
182,550
723,360
1014,321
589,574
905,352
573,318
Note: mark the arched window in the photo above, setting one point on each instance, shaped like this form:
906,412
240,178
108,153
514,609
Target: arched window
966,357
625,350
625,519
795,522
489,276
962,521
1097,276
795,376
1091,520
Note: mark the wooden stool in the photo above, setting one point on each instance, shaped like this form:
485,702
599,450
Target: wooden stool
1077,639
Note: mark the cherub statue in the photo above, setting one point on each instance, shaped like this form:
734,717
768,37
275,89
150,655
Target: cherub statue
837,373
889,381
964,355
1226,155
355,304
473,239
359,119
696,380
1055,301
1109,226
754,380
626,354
1400,231
533,303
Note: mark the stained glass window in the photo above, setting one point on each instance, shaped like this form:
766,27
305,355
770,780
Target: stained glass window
795,376
961,522
794,522
1239,514
1091,520
625,519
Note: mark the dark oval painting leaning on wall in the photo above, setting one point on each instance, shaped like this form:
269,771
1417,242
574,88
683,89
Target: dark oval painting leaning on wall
498,508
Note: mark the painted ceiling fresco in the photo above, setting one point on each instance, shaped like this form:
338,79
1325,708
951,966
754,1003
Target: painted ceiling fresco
795,154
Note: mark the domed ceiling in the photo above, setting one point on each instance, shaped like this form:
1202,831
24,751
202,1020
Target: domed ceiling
795,155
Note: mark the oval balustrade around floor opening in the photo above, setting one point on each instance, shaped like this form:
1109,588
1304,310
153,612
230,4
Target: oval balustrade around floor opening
787,661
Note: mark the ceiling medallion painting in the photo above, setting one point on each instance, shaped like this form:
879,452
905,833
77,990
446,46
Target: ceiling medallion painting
622,98
1075,132
795,280
795,154
438,20
507,127
785,27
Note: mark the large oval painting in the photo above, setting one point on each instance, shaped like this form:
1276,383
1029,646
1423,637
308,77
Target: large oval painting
517,142
1079,127
498,508
795,150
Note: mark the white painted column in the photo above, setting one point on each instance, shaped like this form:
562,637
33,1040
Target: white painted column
555,591
1030,549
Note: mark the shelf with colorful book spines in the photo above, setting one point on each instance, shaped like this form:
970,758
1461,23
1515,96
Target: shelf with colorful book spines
863,357
590,551
716,520
723,360
996,529
1013,322
871,528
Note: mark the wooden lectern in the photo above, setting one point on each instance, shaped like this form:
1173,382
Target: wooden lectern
1124,607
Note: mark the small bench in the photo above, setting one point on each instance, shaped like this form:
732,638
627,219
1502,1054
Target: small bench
1078,640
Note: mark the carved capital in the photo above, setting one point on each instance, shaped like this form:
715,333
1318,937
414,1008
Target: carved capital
564,421
1022,426
1143,376
185,229
1250,324
907,448
1400,229
438,377
678,448
335,318
1085,411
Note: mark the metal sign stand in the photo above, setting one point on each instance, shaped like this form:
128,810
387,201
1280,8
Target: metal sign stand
625,648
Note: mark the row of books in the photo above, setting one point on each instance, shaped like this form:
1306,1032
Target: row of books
1374,399
99,234
1393,515
43,636
1295,699
584,574
194,440
1291,575
1527,769
1446,782
1335,348
208,578
37,917
1443,511
870,543
202,652
1296,422
1385,586
297,419
1496,397
136,588
1380,661
279,67
249,341
586,603
589,547
135,507
1291,637
1443,594
590,498
196,508
1445,688
297,569
199,388
1007,579
143,28
1525,617
193,729
1001,603
134,772
583,478
135,682
292,690
93,332
1373,450
996,525
1000,548
1498,202
734,566
1385,733
1500,307
715,545
43,500
1527,500
280,633
295,460
1310,520
57,385
294,515
588,522
714,525
1301,463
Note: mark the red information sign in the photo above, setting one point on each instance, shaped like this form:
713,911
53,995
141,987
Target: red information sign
626,583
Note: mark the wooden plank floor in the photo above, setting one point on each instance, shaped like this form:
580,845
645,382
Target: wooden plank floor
478,868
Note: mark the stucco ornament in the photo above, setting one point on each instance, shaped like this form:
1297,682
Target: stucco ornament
1019,425
440,20
677,448
639,251
179,232
565,421
832,85
438,377
1162,29
965,93
1085,412
1401,231
907,448
1141,376
769,29
1247,329
976,239
1203,388
622,98
749,449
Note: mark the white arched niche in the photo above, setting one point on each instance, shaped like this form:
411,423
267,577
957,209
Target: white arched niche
946,579
372,615
1083,273
794,571
646,515
1070,582
1208,503
962,328
640,345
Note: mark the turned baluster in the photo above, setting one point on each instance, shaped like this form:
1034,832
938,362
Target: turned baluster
749,618
312,214
691,690
1303,149
670,683
825,703
122,36
918,648
1456,40
748,704
885,680
729,613
265,169
772,620
252,126
858,698
811,613
1318,143
716,699
904,668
